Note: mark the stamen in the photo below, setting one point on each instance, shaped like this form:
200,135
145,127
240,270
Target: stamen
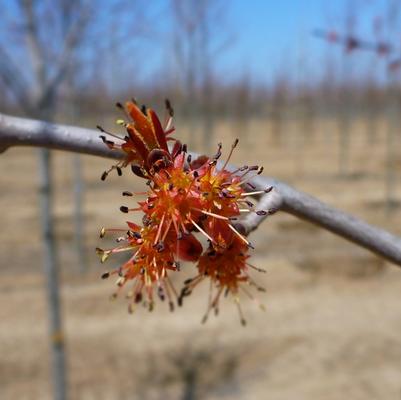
159,229
233,146
108,133
201,230
167,230
241,315
256,268
218,154
212,214
239,235
268,190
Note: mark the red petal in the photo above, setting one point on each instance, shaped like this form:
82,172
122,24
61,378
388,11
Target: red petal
143,125
158,130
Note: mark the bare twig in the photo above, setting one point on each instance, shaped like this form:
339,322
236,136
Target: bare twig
25,132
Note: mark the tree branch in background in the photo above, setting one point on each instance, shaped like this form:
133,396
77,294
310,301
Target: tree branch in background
25,132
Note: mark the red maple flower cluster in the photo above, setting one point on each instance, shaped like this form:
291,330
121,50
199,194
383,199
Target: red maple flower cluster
185,197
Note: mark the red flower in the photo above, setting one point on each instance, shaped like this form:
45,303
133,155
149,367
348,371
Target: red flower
184,197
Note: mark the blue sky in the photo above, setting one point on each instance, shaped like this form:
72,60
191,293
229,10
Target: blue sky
268,38
271,35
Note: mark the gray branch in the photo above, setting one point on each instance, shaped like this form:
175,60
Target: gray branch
26,132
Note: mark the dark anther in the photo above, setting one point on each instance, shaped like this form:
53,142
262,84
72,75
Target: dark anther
119,171
227,194
126,193
159,246
218,154
124,209
138,297
160,293
196,174
169,107
261,212
235,143
184,148
143,109
269,189
105,275
104,175
103,138
119,105
189,158
100,128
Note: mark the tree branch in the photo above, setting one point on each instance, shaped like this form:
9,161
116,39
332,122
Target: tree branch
26,132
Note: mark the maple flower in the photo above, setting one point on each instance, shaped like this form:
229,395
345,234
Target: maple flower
147,267
145,145
228,272
184,197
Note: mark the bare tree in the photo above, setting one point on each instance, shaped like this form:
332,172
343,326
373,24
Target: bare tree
393,109
46,63
242,108
46,46
277,107
346,97
199,38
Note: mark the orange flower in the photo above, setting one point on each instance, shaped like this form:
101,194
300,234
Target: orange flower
148,266
145,147
185,197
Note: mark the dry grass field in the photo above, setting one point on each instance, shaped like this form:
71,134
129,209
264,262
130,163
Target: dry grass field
331,329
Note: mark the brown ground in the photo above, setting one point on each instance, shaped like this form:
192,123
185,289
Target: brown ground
331,329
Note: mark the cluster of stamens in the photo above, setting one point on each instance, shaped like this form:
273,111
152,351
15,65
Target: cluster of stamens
185,197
